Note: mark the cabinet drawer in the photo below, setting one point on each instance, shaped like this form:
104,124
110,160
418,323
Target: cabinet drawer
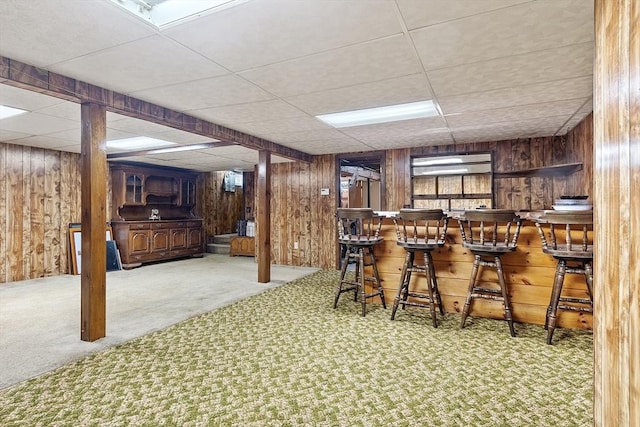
140,226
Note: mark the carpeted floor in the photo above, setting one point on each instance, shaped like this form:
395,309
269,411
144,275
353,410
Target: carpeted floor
287,358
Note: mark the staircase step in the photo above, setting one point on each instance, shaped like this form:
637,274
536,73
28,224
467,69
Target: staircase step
218,248
223,239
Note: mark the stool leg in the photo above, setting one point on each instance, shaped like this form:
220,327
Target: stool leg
505,296
357,273
404,283
472,283
363,294
405,295
376,275
555,299
343,273
428,272
432,271
588,276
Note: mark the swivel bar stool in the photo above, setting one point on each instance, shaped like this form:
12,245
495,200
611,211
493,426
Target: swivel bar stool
419,230
359,233
570,242
487,233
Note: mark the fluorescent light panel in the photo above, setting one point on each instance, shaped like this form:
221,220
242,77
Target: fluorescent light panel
162,13
391,113
137,143
180,148
6,112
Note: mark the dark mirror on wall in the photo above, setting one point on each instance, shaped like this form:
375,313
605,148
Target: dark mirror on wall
362,183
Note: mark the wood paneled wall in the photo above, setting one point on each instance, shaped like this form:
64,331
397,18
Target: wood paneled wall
220,209
300,215
617,213
39,197
526,193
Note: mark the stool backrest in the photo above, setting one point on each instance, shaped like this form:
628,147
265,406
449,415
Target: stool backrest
358,224
569,233
421,227
493,229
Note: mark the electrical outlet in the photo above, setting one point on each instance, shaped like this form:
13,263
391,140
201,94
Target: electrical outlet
295,245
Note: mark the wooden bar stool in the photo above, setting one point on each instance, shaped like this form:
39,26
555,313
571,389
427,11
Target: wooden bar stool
487,233
420,230
359,232
569,239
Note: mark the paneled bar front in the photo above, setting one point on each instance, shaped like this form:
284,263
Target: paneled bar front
529,274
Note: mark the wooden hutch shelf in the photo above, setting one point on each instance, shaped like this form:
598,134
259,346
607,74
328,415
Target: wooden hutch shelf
152,213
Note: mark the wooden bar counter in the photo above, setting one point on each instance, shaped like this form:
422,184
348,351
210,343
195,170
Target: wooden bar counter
529,274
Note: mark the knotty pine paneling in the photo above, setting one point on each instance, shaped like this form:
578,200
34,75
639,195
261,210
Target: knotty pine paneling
616,184
220,209
299,214
39,197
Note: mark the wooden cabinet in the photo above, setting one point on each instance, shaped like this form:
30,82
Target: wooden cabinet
153,215
148,241
245,246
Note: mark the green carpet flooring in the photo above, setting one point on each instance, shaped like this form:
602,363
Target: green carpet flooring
287,358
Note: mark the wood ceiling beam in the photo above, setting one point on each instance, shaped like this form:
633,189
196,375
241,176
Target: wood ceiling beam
29,77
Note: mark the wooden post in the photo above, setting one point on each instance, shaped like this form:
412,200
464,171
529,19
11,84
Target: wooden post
616,177
94,190
264,217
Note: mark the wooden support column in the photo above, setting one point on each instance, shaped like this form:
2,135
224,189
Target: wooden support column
264,217
94,194
616,177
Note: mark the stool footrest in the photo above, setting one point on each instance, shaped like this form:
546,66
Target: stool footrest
574,308
415,304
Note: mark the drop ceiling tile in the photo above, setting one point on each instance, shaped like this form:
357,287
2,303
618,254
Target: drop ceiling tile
253,112
332,146
546,109
282,126
181,137
518,70
291,138
532,26
27,27
381,93
410,141
388,132
158,62
529,128
45,142
8,136
230,151
25,99
65,109
207,93
264,32
580,87
37,124
422,13
348,66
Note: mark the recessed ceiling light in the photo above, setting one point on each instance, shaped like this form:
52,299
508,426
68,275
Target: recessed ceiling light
391,113
162,13
138,143
6,112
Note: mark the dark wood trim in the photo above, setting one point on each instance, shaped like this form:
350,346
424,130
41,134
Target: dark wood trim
93,278
264,216
25,76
